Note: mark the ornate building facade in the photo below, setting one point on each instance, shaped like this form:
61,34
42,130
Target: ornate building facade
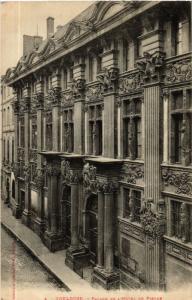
7,143
103,135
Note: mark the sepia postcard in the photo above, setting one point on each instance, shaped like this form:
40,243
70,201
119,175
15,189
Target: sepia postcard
96,150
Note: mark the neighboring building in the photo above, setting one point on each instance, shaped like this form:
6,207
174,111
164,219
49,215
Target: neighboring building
103,134
7,143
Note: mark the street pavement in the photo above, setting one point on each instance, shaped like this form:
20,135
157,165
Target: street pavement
54,262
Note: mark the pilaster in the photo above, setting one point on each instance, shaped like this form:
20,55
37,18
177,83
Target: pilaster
78,88
53,238
107,79
152,213
16,205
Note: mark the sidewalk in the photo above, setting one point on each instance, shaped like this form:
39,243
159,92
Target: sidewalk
53,262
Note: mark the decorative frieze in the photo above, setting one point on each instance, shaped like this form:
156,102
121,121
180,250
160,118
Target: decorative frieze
181,180
179,71
178,250
94,93
133,172
131,229
130,83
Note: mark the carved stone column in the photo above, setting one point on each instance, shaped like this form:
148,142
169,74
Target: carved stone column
52,237
26,213
105,274
39,180
108,232
100,244
15,203
150,70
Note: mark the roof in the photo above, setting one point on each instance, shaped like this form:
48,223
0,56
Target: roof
85,22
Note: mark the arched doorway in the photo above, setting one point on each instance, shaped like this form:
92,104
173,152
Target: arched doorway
91,212
66,215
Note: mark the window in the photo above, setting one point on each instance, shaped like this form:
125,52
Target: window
22,132
34,132
8,150
181,222
132,205
95,130
65,79
93,68
181,128
132,128
13,151
4,147
13,189
181,36
178,38
131,51
68,131
48,133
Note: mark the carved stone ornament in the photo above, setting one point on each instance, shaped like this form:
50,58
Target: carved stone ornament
20,153
15,105
130,83
39,179
89,178
69,176
178,72
33,154
108,77
133,172
152,222
78,87
55,95
26,170
16,169
94,93
37,101
67,98
149,65
53,169
181,181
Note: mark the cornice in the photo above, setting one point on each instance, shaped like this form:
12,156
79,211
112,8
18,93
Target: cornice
82,40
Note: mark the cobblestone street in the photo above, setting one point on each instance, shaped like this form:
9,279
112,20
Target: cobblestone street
20,271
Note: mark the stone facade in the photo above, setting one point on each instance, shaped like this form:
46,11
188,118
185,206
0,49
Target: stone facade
7,144
103,160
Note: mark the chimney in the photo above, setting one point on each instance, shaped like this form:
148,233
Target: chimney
59,27
37,41
30,43
50,27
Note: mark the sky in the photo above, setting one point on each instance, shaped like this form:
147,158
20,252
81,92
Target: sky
28,17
